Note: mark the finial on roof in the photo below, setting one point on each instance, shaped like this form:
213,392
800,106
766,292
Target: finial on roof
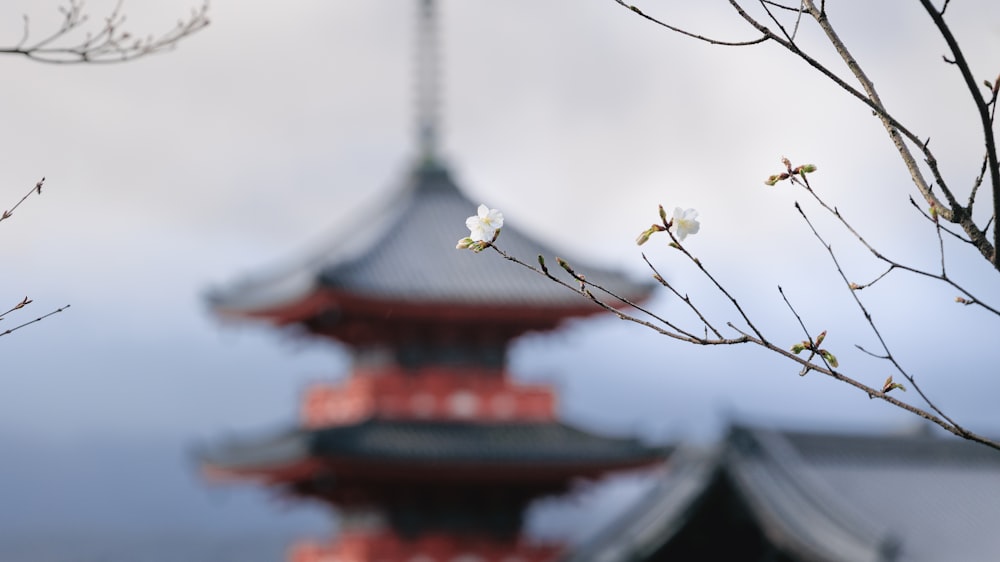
428,94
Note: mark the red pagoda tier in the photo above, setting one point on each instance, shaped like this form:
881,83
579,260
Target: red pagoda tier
429,450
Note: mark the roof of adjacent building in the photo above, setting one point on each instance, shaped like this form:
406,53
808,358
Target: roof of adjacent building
827,497
406,447
404,252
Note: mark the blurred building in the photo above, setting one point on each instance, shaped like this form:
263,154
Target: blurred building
429,450
784,496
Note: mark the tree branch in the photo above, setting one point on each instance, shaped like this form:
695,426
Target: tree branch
746,337
982,108
692,35
36,189
110,43
30,322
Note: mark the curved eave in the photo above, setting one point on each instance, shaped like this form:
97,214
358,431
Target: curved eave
374,472
655,519
336,312
402,255
798,511
290,310
375,451
291,471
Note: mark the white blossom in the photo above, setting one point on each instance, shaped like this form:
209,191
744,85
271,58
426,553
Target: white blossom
484,225
685,222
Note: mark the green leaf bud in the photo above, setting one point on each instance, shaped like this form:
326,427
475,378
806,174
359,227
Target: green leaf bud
829,357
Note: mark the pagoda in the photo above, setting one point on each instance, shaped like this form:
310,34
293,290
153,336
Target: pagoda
429,450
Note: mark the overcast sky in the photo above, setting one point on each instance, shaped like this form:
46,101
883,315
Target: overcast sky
172,174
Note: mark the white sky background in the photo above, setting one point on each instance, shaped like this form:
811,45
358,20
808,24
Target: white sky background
176,172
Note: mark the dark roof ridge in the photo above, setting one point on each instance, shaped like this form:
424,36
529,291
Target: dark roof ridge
793,504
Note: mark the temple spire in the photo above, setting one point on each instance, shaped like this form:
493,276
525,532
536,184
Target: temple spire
428,85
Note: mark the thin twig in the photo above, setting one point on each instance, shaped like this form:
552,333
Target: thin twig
947,230
876,393
684,298
812,352
790,37
37,188
745,337
109,44
680,335
881,257
30,322
871,322
692,35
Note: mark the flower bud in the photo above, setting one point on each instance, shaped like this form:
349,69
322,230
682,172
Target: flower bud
889,385
565,265
820,338
829,357
464,243
771,180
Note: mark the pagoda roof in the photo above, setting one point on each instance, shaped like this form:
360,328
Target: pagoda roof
819,496
399,450
403,252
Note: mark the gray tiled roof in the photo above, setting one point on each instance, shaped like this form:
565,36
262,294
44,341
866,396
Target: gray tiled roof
445,443
405,251
830,497
936,498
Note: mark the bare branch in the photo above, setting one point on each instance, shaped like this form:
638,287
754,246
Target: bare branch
871,97
781,6
954,234
684,298
30,322
790,37
809,337
802,181
953,211
884,396
871,322
943,206
745,337
37,188
982,108
693,35
109,43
